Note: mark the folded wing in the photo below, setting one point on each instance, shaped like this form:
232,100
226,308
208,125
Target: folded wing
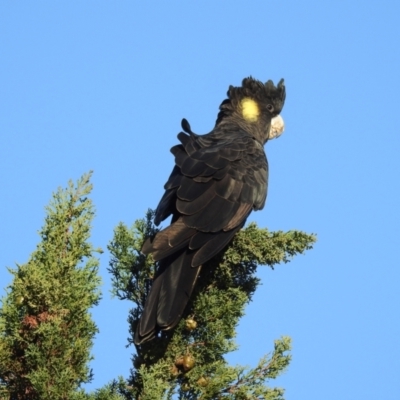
217,181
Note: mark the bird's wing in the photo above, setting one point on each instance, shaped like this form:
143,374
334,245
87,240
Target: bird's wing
217,180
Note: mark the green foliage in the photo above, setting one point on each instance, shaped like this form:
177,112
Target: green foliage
108,392
189,362
46,330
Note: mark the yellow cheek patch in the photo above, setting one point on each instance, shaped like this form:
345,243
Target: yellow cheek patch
250,109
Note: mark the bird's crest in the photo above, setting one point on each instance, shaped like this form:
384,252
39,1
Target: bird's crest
252,97
259,92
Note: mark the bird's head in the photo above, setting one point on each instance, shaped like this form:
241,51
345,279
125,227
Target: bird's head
256,106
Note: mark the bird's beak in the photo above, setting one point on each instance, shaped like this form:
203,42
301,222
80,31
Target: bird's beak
277,127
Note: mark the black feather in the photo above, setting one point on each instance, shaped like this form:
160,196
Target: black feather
190,190
214,246
177,286
218,179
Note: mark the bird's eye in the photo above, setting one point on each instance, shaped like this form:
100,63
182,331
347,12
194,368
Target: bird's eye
270,107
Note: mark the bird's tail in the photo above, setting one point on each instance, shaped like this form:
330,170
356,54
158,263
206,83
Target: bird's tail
168,296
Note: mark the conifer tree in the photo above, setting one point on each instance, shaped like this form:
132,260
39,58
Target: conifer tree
46,330
188,362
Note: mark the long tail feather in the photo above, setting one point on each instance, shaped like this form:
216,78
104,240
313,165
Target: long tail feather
168,296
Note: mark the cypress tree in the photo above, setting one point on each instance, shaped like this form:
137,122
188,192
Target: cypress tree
46,330
188,362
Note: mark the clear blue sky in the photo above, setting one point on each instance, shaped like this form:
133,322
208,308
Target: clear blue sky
103,85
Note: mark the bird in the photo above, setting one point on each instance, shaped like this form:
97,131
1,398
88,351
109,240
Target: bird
218,179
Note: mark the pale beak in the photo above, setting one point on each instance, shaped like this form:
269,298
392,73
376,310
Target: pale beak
277,127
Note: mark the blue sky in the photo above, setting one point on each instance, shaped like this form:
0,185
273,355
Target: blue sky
104,85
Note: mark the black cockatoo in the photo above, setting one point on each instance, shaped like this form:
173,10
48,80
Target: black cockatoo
218,179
